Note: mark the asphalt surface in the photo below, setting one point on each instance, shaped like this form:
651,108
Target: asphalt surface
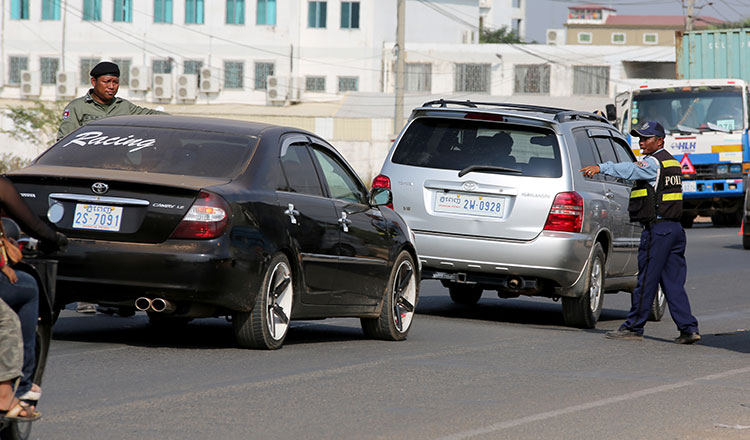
503,369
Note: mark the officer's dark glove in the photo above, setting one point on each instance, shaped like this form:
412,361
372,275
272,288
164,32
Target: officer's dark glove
59,244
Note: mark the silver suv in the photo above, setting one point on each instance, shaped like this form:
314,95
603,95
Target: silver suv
493,193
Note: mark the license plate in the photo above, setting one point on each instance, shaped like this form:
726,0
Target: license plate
471,204
689,186
97,217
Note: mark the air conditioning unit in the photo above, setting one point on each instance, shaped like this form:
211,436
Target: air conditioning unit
31,84
468,37
162,87
555,37
66,84
187,87
277,90
296,86
139,78
209,81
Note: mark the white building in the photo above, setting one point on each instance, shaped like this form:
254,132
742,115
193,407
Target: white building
316,50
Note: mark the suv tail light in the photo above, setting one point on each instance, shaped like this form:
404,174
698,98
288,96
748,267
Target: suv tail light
382,181
566,213
207,218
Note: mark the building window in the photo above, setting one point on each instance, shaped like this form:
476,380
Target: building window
124,65
516,26
92,10
49,68
161,66
162,11
86,65
316,14
50,9
531,78
262,72
234,72
591,80
472,78
266,12
192,67
349,15
194,11
418,77
235,11
584,37
618,38
517,4
650,38
19,9
348,83
315,84
17,64
123,11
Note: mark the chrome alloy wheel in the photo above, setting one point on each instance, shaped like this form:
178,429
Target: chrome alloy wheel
404,296
279,302
595,286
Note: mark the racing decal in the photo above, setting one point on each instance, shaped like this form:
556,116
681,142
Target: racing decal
98,138
66,113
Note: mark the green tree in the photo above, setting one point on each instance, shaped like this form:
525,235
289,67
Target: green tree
744,23
37,123
500,35
10,162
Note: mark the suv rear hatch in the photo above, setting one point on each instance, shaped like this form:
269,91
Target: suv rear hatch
476,177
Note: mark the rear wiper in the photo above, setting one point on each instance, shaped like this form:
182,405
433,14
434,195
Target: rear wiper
471,168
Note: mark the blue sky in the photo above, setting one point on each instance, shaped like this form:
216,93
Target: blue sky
556,11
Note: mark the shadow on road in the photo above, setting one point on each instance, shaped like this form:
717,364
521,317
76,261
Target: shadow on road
738,341
210,333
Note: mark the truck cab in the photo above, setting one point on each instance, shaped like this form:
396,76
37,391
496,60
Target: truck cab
707,131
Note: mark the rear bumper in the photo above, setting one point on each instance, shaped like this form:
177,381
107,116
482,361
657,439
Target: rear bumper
205,272
559,257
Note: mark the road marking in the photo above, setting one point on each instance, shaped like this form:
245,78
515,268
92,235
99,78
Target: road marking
495,427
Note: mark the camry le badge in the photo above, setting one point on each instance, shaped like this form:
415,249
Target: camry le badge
100,188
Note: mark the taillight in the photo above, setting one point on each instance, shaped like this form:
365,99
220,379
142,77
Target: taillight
207,218
566,213
381,181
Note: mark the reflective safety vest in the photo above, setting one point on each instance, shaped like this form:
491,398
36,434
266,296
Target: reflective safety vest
647,204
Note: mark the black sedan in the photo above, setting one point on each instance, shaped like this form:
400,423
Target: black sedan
196,217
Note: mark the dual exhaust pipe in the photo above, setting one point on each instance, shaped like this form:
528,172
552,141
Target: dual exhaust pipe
158,305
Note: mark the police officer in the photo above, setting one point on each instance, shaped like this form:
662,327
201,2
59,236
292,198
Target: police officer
100,101
655,202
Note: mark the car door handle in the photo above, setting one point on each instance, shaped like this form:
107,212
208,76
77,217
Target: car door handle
609,194
291,212
344,222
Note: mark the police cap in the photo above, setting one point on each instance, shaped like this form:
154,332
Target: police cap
105,68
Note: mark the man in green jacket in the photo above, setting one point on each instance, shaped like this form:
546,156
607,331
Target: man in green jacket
100,101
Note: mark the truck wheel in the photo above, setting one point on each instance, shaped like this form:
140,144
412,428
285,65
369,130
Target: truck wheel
266,326
465,294
687,221
658,307
746,241
584,311
717,219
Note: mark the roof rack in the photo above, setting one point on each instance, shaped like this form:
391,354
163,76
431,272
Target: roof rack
561,114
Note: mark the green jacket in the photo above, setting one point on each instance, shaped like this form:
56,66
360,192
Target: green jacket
85,109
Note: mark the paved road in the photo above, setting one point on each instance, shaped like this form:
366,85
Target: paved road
504,369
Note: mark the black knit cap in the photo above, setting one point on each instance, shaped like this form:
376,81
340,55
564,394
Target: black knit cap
105,68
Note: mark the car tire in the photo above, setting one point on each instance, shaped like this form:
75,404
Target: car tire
745,241
584,311
266,326
658,307
465,294
399,304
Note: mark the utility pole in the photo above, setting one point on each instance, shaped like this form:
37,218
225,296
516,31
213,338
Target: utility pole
398,118
690,15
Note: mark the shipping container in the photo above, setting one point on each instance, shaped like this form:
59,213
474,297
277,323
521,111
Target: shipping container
715,53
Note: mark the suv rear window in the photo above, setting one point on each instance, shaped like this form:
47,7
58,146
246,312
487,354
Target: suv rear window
154,150
454,144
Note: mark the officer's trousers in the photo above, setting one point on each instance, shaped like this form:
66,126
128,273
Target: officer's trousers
661,259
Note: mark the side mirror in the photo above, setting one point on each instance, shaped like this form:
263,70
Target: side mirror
611,112
380,196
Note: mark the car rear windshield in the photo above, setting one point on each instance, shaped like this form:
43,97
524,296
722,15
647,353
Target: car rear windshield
154,150
455,144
